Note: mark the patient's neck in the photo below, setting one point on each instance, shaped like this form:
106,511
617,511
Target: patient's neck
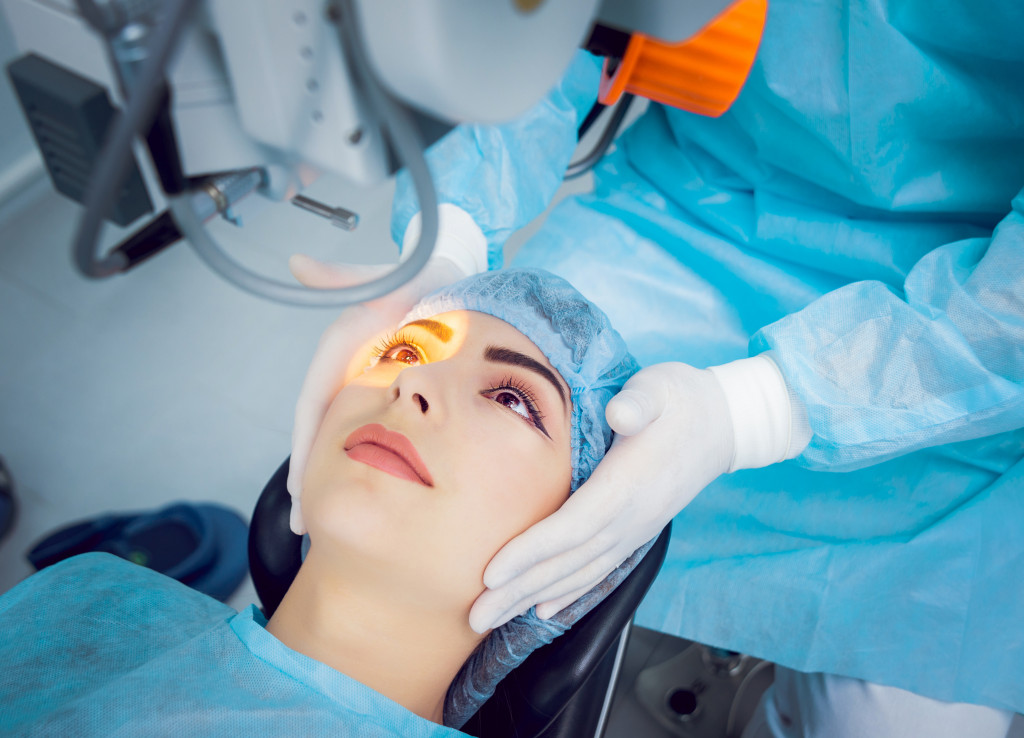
391,641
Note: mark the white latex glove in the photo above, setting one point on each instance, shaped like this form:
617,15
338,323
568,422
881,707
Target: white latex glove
677,429
461,250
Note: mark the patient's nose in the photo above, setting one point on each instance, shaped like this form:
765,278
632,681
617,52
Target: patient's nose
408,387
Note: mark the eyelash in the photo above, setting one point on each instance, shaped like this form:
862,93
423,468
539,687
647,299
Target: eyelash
520,390
508,384
393,341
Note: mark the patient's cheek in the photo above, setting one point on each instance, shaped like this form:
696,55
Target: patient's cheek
519,508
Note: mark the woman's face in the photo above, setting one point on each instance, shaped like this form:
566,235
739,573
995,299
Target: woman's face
453,440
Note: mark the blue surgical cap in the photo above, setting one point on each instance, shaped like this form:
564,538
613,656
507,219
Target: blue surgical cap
579,341
572,332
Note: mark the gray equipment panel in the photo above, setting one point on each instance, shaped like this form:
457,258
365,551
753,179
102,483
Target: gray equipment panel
69,117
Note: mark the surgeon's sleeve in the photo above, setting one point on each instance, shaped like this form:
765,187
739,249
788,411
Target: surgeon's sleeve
883,373
505,175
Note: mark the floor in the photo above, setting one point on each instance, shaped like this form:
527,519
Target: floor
672,688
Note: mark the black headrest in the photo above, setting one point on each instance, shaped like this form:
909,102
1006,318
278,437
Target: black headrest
275,553
528,700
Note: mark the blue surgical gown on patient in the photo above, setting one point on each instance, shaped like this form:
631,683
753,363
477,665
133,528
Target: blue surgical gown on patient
98,646
859,213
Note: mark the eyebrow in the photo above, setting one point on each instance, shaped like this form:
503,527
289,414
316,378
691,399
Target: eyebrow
440,330
503,355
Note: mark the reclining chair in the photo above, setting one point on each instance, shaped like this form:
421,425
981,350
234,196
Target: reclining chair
563,690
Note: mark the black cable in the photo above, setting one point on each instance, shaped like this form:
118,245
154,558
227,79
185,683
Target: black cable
163,147
149,240
584,165
593,115
115,157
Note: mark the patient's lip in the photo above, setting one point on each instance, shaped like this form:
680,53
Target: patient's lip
388,451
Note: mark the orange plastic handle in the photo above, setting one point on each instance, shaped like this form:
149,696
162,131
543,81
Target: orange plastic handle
703,74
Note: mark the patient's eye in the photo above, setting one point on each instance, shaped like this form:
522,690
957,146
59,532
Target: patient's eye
512,401
518,398
403,354
399,348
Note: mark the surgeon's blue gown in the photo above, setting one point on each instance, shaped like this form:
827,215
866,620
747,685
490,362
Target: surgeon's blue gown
859,213
98,646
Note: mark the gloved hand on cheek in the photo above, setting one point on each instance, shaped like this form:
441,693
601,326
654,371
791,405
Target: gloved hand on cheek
678,428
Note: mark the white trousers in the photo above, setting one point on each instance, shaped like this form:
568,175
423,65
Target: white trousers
802,705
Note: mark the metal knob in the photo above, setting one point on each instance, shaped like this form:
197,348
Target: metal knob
338,216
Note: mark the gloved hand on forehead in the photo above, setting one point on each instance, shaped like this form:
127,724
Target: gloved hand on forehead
460,251
677,429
